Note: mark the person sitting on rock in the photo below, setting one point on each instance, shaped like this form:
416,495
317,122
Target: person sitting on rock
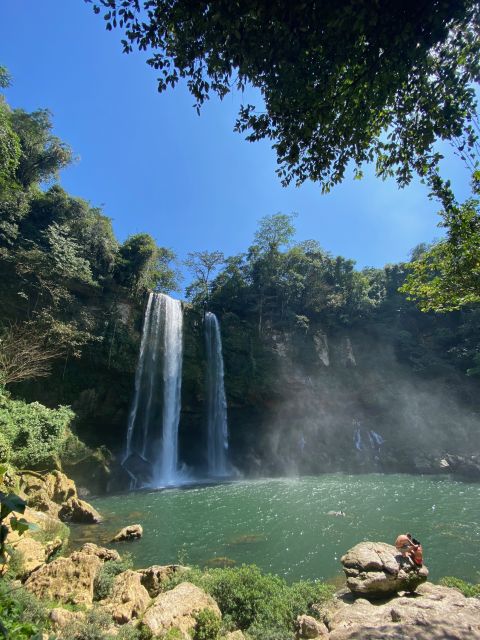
404,544
416,553
410,549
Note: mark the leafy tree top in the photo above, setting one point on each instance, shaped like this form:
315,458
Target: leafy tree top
354,81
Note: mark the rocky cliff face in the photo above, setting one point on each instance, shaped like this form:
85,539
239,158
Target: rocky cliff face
326,400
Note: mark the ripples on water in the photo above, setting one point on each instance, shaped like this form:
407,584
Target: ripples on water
283,524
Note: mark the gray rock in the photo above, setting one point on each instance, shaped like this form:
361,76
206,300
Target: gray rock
376,569
433,613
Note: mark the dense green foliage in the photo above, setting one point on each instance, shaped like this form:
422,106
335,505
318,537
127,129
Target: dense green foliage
446,276
263,605
468,589
352,81
22,615
207,626
31,435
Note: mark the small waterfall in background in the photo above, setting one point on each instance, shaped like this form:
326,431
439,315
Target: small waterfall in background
217,425
151,451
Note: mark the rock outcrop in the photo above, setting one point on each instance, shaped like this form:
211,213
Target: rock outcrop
376,569
34,554
153,578
132,532
128,599
56,494
70,580
307,627
178,608
432,613
63,618
76,510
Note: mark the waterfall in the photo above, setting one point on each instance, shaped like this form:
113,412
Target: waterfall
151,451
217,426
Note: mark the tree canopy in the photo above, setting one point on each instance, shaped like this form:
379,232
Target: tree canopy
350,82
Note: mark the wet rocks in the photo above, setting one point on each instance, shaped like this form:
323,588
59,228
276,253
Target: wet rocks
178,608
132,532
376,569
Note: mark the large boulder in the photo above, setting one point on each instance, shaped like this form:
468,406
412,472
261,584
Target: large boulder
128,599
56,494
433,612
76,510
59,487
178,608
308,627
100,552
70,580
127,534
63,618
376,569
33,554
66,580
154,578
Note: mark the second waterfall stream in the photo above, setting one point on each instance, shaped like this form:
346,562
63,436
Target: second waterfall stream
217,425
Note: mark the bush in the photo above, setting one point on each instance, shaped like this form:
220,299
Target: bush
32,435
22,615
207,627
103,585
94,627
467,588
261,604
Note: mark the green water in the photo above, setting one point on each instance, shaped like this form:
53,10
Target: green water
284,527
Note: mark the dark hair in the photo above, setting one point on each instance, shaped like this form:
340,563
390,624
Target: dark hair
409,535
415,541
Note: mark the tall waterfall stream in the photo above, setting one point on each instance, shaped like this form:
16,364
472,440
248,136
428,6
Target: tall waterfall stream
152,432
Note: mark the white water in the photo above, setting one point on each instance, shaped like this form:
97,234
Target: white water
166,469
152,433
217,425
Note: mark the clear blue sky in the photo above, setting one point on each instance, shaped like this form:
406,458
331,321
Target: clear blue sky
155,166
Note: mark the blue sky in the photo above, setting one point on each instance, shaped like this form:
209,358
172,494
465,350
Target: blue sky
155,166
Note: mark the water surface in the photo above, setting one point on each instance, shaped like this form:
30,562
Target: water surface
283,525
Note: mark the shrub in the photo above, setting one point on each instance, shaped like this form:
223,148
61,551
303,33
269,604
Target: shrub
207,627
94,627
33,435
103,585
261,604
467,588
22,615
173,634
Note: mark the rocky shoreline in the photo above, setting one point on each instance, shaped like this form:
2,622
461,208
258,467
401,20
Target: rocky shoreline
384,597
